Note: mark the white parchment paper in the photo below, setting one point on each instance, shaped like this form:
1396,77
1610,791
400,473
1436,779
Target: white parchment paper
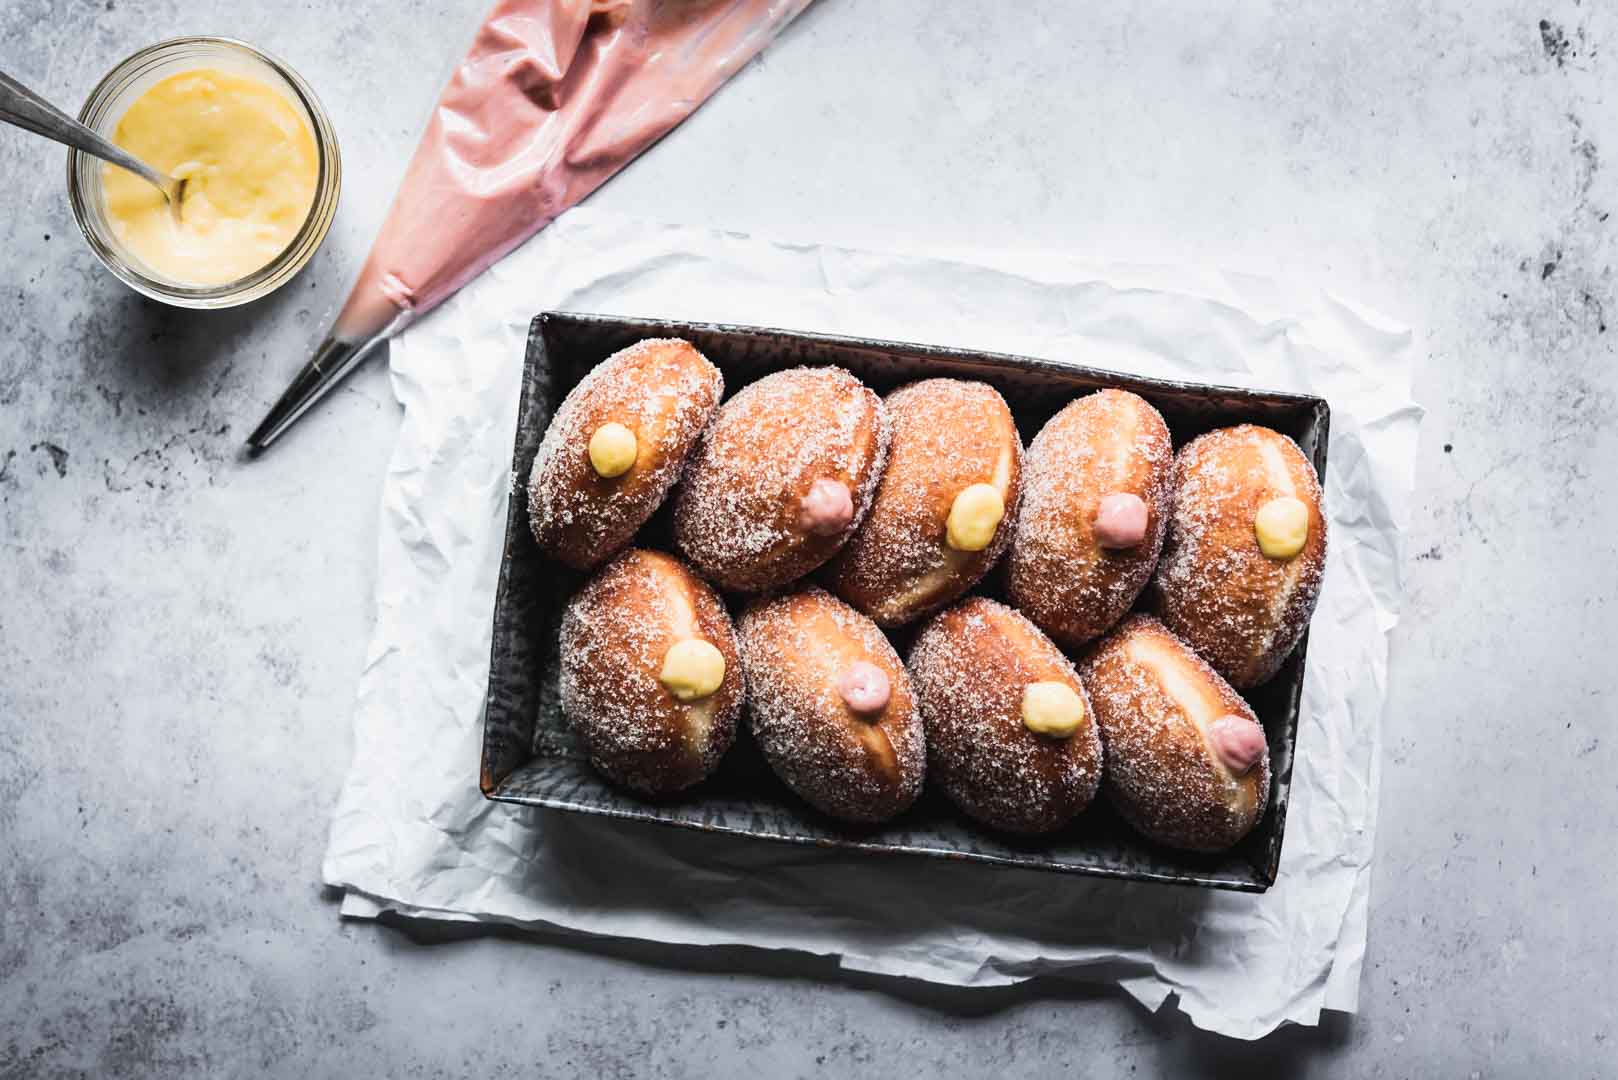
412,834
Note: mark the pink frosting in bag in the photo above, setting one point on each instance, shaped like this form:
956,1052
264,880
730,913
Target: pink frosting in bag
553,98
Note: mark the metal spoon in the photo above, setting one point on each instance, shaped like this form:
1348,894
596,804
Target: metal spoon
27,110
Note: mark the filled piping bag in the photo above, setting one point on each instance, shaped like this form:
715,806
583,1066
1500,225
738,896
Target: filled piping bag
553,97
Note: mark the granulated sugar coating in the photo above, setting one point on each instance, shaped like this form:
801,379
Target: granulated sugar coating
948,434
1241,610
615,633
1057,573
665,392
737,512
1155,700
795,649
971,665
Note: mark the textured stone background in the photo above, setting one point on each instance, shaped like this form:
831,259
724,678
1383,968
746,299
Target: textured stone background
180,631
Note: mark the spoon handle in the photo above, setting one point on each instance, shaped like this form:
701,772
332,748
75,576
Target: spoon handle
27,110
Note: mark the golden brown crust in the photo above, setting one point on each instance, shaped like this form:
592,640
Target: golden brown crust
948,434
1155,699
971,665
795,648
1057,573
737,511
665,392
1243,611
615,632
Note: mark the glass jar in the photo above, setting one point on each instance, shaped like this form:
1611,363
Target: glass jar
106,106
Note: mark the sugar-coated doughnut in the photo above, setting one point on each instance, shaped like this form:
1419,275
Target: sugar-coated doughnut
616,446
650,676
1098,479
1245,551
831,706
782,478
1011,738
945,509
1187,762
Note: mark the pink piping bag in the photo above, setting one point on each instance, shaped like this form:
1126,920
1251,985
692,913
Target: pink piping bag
552,99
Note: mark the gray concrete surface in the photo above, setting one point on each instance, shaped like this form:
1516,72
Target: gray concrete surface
180,631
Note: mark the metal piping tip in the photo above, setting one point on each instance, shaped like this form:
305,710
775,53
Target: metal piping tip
333,360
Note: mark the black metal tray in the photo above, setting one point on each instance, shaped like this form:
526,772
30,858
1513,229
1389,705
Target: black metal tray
530,756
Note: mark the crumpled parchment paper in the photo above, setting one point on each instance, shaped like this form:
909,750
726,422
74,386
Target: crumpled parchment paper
412,834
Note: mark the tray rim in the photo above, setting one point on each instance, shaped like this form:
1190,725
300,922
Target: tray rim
865,847
955,353
1265,871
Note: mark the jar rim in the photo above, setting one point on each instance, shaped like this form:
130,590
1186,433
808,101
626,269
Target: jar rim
83,182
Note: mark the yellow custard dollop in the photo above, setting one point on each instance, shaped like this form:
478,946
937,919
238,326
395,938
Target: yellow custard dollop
251,165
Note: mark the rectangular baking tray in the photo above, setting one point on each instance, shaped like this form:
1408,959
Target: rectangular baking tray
531,757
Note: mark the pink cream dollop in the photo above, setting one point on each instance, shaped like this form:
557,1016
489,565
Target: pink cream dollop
553,98
1121,520
828,508
864,687
1238,741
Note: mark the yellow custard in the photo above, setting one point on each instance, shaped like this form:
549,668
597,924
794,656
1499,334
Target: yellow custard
251,166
